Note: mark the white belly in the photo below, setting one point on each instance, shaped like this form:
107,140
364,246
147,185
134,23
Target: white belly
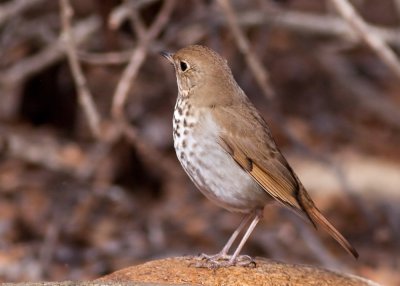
213,170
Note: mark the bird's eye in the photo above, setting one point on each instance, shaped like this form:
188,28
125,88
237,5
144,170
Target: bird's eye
184,66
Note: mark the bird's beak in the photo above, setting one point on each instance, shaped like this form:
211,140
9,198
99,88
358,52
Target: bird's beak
168,56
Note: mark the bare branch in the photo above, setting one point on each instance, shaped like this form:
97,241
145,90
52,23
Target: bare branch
362,29
118,16
123,12
136,22
312,23
366,94
138,57
110,58
12,79
12,8
299,22
151,155
259,72
49,55
85,97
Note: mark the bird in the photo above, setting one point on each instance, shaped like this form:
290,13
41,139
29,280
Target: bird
227,149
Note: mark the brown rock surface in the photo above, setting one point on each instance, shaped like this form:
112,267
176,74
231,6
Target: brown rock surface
180,271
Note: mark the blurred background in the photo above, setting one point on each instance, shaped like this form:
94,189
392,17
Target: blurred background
89,181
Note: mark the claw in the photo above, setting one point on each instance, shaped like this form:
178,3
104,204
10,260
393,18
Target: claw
245,261
222,260
215,257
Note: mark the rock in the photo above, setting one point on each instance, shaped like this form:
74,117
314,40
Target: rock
181,271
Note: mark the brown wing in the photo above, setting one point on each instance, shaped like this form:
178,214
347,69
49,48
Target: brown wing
248,140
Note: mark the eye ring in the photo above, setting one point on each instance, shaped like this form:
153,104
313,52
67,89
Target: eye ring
184,66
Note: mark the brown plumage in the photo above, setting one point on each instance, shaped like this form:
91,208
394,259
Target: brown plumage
227,150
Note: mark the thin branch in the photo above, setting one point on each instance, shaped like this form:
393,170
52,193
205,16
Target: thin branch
85,97
299,22
110,58
123,12
152,156
259,72
362,29
136,22
13,78
118,16
25,68
313,24
138,57
12,8
366,94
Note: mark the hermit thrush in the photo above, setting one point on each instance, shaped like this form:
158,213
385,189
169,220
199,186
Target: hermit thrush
227,149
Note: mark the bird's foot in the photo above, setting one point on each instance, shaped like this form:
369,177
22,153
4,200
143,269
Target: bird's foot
218,256
224,260
245,261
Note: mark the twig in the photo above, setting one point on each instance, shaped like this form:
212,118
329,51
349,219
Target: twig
365,93
22,70
121,93
19,30
151,155
118,16
85,98
111,58
123,12
136,22
300,22
114,58
12,79
138,57
313,24
259,72
12,8
362,29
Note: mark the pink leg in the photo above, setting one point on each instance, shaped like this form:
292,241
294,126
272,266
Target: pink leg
257,217
224,252
233,237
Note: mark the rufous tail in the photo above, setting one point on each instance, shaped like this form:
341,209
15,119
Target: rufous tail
319,220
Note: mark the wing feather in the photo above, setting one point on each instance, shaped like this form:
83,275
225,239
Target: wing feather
254,149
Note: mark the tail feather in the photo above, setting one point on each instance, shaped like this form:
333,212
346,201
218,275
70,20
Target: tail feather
319,220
